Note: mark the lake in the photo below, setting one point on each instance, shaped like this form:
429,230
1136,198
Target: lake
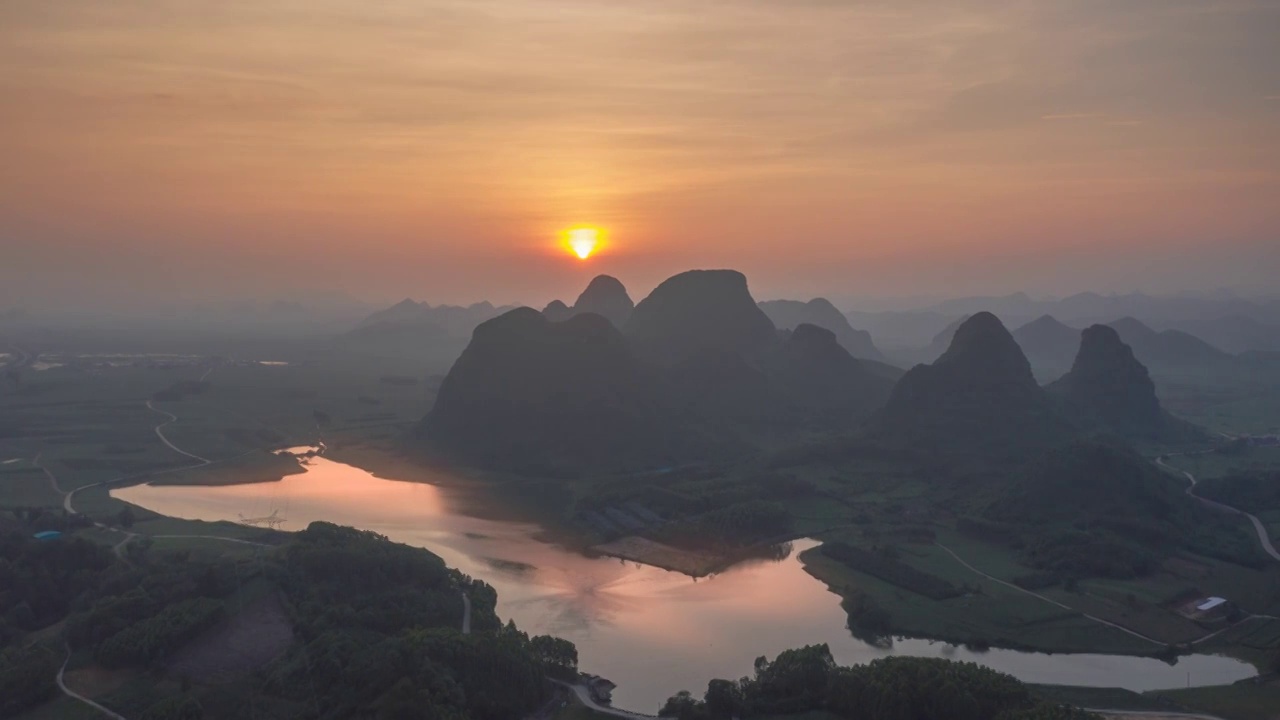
651,631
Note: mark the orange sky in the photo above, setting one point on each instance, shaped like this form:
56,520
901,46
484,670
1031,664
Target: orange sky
434,148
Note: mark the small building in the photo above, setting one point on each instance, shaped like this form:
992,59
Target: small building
47,535
1210,603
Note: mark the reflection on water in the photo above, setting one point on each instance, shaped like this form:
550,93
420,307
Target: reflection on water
652,631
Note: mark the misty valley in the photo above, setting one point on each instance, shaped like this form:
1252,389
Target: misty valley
591,509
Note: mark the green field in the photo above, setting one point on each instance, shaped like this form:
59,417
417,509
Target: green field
1242,701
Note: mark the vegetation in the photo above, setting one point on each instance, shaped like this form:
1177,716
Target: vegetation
739,524
1246,700
807,679
378,627
1257,491
41,582
884,565
1097,509
26,678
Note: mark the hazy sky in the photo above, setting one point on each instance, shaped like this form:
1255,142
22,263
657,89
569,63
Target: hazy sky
435,148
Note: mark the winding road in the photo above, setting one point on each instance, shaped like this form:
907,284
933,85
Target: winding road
1261,529
62,685
160,434
118,548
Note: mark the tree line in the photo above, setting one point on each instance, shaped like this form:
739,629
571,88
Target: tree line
895,688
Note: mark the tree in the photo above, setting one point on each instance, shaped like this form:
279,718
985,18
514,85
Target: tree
723,699
683,706
125,517
560,655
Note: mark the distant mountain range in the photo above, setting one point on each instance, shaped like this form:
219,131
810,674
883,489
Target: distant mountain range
788,314
1229,324
411,316
1051,347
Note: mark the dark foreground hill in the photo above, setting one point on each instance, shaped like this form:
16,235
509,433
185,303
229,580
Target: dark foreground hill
979,398
789,314
1107,388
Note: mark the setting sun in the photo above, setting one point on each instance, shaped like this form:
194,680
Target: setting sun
583,241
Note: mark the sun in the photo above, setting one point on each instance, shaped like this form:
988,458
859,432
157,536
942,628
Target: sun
583,241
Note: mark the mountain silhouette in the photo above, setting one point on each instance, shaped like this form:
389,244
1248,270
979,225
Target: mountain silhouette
1107,387
814,371
538,396
1049,345
605,296
789,314
406,311
942,340
699,312
700,372
557,311
979,398
456,320
1171,350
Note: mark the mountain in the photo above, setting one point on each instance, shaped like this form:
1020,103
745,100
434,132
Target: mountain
979,398
607,297
940,342
1171,350
814,371
698,312
1049,345
557,311
700,372
406,310
537,396
1236,334
1107,387
788,314
455,320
